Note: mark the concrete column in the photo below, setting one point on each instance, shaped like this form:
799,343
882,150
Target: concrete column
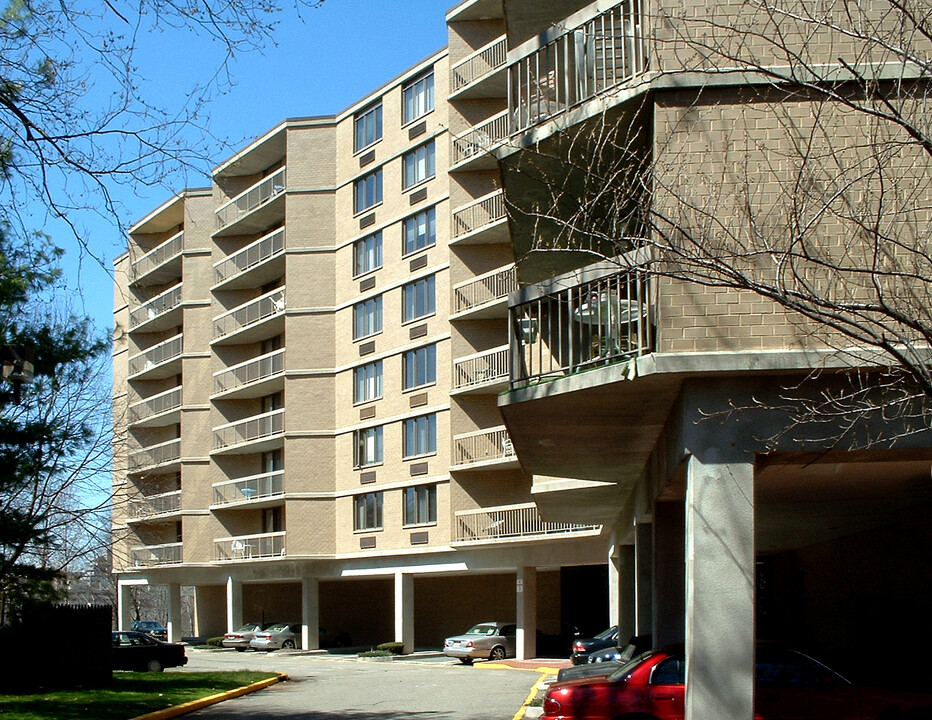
644,577
234,604
526,613
720,586
621,590
174,612
310,613
124,605
404,610
669,573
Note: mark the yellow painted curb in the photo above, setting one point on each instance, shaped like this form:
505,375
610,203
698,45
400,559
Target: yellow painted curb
209,700
530,697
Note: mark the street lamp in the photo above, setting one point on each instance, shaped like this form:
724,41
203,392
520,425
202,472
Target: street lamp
18,368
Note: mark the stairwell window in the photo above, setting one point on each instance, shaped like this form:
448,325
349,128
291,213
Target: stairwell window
420,165
420,436
419,299
368,191
420,505
418,97
368,512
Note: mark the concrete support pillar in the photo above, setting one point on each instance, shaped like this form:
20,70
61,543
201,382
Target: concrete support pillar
621,590
526,612
174,612
124,605
669,573
720,586
205,609
310,613
404,610
644,577
234,604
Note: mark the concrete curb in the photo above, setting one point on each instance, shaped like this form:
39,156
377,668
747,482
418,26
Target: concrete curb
187,707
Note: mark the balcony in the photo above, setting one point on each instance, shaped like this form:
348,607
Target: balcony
250,547
513,523
160,265
484,448
481,222
164,457
260,376
583,58
485,372
255,320
158,362
254,434
154,555
156,411
155,507
254,265
255,209
473,149
160,313
254,490
474,76
485,296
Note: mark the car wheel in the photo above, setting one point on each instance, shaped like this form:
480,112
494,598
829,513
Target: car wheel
288,645
240,649
466,661
498,653
154,666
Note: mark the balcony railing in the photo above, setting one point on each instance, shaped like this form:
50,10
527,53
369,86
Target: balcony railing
484,289
249,372
578,65
511,522
250,313
580,326
156,405
481,369
252,488
154,456
252,198
158,256
254,428
478,64
250,547
253,254
479,214
482,446
163,504
159,305
164,352
150,555
481,138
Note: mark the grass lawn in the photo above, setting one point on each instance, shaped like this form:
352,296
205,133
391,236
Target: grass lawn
129,695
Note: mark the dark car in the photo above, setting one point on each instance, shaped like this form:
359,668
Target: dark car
582,648
605,662
153,628
140,651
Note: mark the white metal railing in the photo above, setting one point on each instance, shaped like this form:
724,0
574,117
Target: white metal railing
581,63
153,505
479,63
484,211
482,138
159,305
485,288
155,405
159,255
253,254
251,198
245,373
149,555
254,487
485,367
482,446
164,352
250,313
252,428
245,547
511,521
154,455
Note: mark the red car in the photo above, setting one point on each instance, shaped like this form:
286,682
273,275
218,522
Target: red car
788,685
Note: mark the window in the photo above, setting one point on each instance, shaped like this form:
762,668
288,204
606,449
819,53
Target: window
420,505
419,299
273,461
419,165
270,403
367,127
367,318
420,367
420,436
367,448
368,191
367,254
367,382
418,97
420,231
368,515
272,520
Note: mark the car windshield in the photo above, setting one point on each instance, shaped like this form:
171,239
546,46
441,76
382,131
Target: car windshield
277,628
622,672
605,634
481,630
248,628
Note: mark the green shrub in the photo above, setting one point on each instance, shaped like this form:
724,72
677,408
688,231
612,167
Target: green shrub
376,653
215,642
394,648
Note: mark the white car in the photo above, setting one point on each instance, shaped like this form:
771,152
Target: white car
280,636
490,640
241,638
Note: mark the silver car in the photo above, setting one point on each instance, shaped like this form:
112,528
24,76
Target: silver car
492,640
241,638
284,636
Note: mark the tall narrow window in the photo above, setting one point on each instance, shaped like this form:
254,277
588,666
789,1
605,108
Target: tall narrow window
420,436
418,97
420,231
368,191
420,505
419,299
368,382
420,367
367,318
368,511
367,127
367,447
367,254
419,165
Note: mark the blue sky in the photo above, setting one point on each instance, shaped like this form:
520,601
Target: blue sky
322,62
